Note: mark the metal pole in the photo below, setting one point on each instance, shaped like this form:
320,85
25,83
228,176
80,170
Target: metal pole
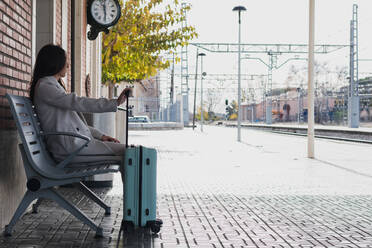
196,79
263,101
171,94
252,113
353,102
310,103
351,76
299,107
269,97
185,72
239,86
201,96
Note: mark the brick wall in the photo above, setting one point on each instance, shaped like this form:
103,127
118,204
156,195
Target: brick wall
58,22
15,53
15,75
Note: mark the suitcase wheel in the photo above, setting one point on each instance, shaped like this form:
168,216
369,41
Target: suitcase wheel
127,226
155,228
156,225
159,221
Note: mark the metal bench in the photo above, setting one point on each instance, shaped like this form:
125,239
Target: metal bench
44,174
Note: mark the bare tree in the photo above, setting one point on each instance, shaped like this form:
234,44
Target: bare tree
214,96
213,99
341,73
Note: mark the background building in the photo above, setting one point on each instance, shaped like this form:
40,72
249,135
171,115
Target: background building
146,96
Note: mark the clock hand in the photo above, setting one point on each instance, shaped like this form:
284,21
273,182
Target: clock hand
104,9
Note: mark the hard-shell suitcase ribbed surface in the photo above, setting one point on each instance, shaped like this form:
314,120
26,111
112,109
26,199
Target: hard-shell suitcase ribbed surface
140,188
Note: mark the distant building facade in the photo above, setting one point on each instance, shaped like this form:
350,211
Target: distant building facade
288,104
146,97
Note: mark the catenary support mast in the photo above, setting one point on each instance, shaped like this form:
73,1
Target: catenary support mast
353,101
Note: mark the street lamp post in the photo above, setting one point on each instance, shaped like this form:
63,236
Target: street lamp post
239,9
298,104
201,92
196,80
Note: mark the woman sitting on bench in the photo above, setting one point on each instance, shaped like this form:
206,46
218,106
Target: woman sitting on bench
60,111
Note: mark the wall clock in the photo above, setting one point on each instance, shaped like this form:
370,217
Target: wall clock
101,15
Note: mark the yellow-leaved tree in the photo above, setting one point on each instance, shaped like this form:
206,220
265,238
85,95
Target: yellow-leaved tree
147,28
205,115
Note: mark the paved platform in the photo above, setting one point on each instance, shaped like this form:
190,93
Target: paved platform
216,192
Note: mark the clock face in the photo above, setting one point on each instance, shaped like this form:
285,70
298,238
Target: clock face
104,12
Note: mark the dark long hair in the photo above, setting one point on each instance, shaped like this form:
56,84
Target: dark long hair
50,60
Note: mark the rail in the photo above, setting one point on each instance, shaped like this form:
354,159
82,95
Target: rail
331,133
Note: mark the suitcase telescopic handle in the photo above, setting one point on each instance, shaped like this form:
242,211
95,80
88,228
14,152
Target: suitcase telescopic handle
127,93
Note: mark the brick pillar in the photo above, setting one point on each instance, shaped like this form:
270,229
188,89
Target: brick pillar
80,47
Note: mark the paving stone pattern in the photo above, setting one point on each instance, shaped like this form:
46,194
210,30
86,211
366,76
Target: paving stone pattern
207,220
219,208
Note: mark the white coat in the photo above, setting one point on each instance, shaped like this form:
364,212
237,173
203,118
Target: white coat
58,111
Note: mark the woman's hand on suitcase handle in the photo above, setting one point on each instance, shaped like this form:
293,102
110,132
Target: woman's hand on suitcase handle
109,139
127,92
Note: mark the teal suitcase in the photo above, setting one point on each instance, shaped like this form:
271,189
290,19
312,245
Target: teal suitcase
140,189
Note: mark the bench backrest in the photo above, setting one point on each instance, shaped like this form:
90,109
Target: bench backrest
28,127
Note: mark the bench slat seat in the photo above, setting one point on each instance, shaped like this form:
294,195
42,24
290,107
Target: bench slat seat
90,170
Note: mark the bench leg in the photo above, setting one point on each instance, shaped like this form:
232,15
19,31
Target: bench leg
27,199
36,205
94,197
53,195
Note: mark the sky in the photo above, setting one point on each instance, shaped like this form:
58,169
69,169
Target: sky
277,22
